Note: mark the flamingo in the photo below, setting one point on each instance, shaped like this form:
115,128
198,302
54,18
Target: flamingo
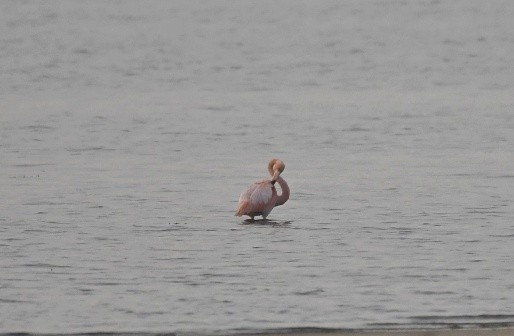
261,197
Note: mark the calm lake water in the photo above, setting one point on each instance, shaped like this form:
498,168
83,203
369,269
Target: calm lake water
128,129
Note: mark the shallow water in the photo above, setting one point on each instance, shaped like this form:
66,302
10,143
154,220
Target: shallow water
128,130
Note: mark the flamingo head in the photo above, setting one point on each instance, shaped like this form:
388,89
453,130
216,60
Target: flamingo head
275,168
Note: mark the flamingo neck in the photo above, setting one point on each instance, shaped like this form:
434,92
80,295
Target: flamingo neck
284,196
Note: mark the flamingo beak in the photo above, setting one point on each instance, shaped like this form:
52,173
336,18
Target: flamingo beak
275,176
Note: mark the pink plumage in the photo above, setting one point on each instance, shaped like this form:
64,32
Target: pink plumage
261,197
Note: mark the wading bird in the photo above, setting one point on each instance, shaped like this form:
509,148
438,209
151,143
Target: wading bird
261,197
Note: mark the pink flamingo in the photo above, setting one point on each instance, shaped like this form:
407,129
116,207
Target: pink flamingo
261,197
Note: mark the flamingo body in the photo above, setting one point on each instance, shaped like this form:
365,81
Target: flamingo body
258,200
261,197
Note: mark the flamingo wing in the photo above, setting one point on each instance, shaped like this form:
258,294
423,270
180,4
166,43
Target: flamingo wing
256,199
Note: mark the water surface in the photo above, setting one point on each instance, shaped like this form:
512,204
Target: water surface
128,130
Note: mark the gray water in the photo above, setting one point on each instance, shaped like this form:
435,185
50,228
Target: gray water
128,130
